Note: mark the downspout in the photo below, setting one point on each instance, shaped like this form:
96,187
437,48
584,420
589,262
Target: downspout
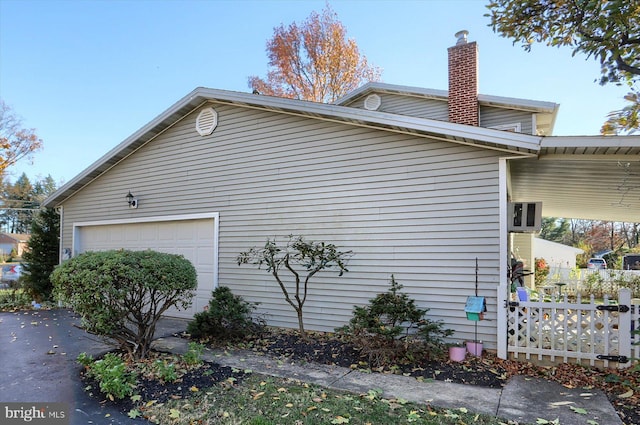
60,211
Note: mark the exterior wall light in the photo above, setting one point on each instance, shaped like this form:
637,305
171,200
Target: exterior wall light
132,200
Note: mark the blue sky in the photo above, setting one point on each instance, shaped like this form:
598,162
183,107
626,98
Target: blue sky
88,74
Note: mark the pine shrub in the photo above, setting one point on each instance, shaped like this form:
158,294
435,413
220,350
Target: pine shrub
227,317
392,328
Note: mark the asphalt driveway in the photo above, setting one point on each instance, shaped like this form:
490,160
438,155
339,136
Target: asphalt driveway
38,351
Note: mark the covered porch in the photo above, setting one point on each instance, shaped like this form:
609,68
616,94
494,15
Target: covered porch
582,177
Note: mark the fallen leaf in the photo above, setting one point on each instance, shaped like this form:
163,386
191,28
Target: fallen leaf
578,410
626,395
561,403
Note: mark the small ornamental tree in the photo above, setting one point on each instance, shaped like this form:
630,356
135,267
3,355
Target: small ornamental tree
122,294
302,260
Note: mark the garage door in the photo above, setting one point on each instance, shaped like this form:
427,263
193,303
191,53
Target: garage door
193,238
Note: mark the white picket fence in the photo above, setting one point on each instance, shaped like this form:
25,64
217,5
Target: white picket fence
555,329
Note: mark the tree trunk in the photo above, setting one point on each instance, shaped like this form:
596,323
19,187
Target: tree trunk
303,334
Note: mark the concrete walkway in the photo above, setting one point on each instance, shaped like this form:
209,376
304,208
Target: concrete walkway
522,399
38,351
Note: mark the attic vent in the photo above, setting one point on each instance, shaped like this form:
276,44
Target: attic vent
372,102
207,121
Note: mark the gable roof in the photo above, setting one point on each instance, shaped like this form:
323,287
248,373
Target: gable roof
547,111
18,237
544,244
514,143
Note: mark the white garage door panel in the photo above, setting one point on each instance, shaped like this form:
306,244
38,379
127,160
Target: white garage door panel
195,239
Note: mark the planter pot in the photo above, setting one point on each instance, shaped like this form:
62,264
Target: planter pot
457,354
474,348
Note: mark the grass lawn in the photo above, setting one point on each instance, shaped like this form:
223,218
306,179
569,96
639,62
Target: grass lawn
263,400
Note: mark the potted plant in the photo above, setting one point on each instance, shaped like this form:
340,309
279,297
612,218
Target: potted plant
457,353
474,348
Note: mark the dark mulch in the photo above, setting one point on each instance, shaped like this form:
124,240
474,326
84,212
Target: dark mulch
319,348
487,371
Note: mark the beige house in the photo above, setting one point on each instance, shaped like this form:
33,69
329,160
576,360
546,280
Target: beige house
416,182
13,242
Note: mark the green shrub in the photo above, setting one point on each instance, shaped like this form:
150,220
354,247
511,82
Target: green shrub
165,371
392,327
193,356
228,316
122,294
14,299
111,374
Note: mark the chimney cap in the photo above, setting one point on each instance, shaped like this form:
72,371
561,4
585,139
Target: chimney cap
461,36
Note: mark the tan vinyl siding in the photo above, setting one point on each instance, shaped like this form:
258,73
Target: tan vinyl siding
493,117
410,106
438,110
420,209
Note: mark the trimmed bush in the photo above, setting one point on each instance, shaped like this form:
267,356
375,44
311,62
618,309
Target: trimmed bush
228,316
122,294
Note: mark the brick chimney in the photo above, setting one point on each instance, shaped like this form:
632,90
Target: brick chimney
463,81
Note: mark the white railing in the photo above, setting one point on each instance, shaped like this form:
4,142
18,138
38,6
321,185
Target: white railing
556,329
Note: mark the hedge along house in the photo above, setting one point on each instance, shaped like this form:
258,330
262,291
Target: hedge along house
415,184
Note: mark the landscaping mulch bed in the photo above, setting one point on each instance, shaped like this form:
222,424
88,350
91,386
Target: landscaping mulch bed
621,386
319,348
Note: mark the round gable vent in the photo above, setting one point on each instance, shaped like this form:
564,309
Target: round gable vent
372,102
207,121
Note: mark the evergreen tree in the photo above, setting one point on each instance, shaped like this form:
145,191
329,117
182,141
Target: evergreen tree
43,253
19,205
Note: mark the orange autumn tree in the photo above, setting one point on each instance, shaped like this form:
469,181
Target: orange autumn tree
314,61
15,142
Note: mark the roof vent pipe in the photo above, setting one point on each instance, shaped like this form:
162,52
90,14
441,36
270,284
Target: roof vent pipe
462,37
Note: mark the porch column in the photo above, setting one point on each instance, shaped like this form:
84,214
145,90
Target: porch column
503,286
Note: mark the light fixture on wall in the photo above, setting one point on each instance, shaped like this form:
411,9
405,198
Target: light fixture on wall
132,200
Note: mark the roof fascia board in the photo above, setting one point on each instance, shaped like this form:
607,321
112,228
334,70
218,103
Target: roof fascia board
516,103
498,101
590,142
392,88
